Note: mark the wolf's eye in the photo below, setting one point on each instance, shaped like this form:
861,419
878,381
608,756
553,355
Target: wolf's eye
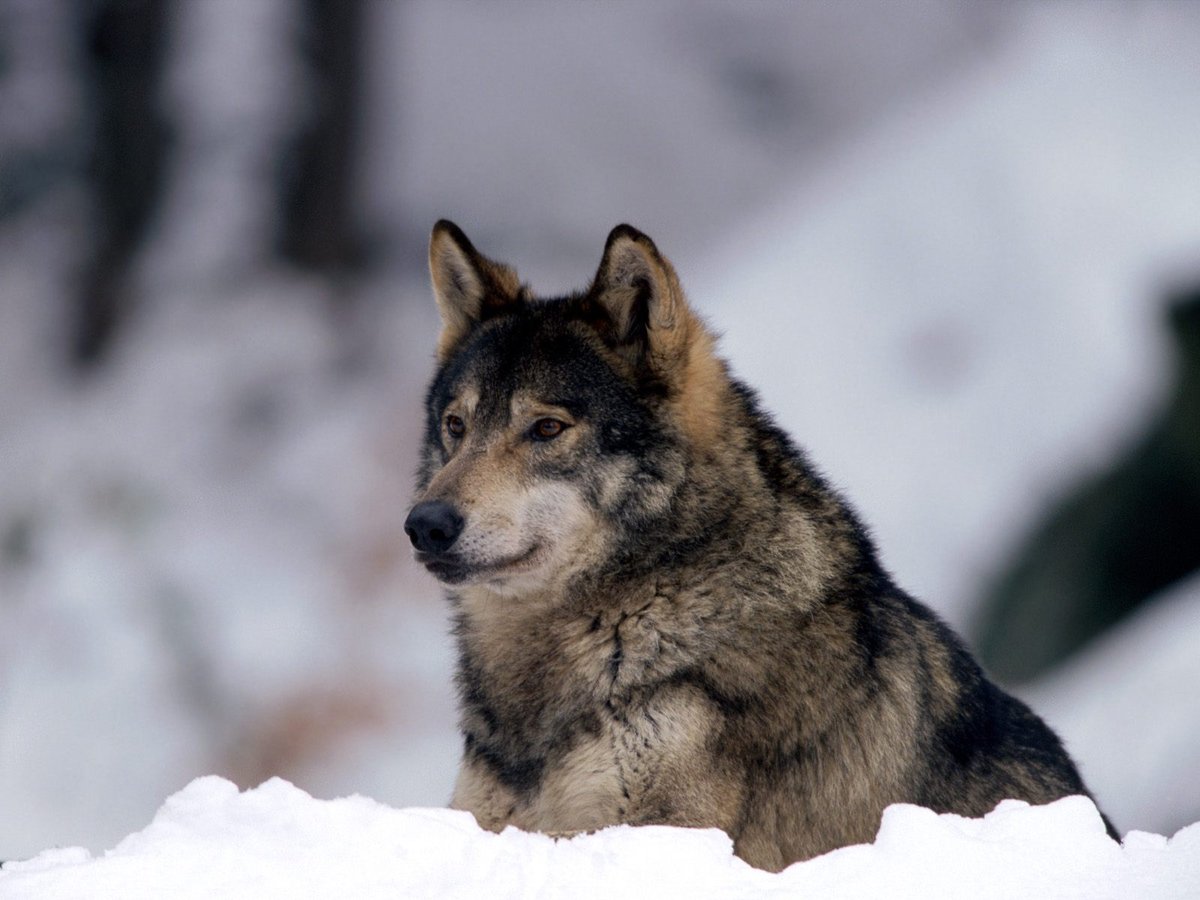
547,429
455,426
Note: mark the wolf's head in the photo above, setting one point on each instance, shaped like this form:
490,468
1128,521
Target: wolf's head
557,429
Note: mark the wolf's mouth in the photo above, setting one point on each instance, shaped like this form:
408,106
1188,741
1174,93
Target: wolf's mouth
448,568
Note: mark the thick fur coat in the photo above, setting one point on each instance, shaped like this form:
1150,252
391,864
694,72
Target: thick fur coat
663,613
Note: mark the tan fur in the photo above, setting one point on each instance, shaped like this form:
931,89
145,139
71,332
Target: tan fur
705,384
765,676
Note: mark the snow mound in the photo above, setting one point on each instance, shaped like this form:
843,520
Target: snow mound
209,840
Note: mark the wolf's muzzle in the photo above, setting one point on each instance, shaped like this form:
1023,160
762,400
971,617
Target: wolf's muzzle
433,526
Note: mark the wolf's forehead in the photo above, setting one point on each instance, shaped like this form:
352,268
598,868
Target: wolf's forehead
531,355
490,392
544,354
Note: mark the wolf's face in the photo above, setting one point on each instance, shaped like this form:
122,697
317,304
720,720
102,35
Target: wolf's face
550,424
522,466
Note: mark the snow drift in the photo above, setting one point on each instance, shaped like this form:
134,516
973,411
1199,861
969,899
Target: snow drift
209,840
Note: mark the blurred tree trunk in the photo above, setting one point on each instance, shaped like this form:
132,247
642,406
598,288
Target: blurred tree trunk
318,223
125,51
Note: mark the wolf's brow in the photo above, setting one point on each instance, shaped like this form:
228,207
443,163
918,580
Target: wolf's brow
576,406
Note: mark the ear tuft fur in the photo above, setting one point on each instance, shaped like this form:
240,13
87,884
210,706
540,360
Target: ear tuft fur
467,286
637,288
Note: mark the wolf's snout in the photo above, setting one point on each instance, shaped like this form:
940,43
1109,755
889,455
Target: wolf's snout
433,526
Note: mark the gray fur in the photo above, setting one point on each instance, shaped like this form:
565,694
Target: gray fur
663,613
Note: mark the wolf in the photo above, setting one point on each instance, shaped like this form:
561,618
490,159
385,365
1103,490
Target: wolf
663,612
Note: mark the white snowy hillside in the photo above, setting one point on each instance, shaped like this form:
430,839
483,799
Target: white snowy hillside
276,841
1126,707
965,309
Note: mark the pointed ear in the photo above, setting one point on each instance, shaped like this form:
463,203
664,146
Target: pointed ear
467,286
638,289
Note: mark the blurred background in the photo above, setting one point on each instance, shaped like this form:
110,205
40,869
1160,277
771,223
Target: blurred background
956,245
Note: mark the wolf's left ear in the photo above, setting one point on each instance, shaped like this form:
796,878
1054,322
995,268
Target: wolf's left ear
467,286
638,289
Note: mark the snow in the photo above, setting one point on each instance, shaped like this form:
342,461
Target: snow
209,840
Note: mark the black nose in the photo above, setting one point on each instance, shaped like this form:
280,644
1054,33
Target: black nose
433,526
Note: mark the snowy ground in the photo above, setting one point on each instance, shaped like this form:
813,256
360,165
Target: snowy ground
954,305
276,841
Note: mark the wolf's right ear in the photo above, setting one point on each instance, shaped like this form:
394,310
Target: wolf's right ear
467,286
637,288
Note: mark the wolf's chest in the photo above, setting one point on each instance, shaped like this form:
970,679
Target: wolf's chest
629,770
602,778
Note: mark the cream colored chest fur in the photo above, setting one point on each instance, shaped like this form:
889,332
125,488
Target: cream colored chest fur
648,762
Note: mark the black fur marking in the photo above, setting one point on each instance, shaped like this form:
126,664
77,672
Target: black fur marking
458,282
625,230
589,724
638,325
457,235
521,775
869,640
470,683
973,729
729,704
618,653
